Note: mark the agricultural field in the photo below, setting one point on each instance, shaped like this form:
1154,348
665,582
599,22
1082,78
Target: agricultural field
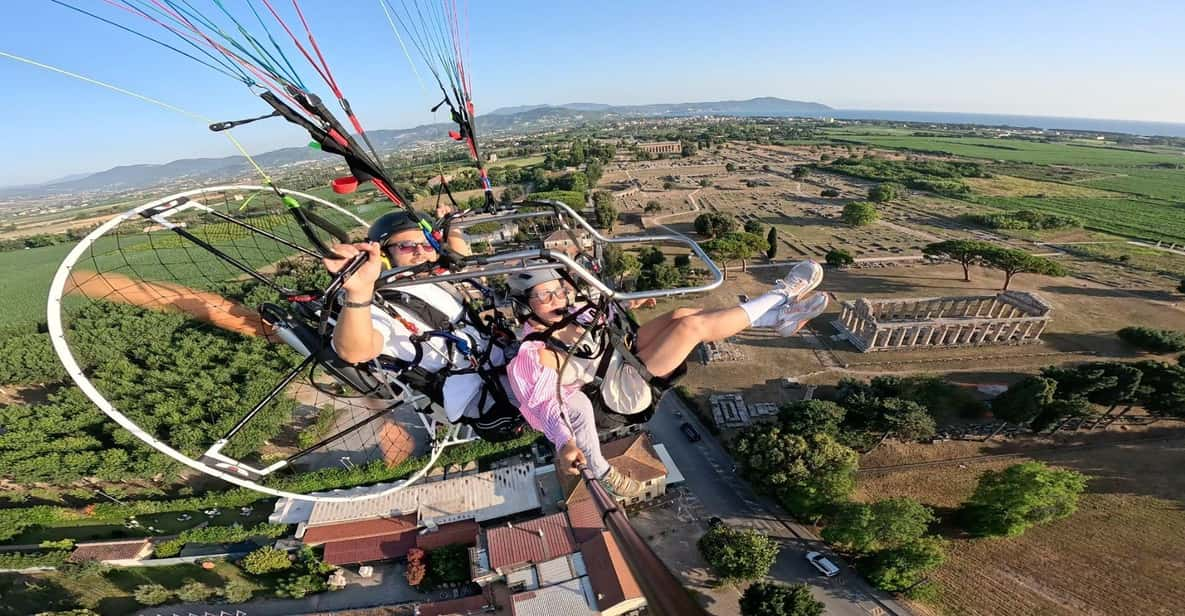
27,275
1122,552
1157,183
1124,215
1021,151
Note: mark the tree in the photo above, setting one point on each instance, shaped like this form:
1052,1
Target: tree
511,193
860,213
730,167
1025,400
774,599
266,559
652,206
829,192
1013,261
1162,388
1010,501
901,568
682,261
806,473
652,256
738,555
661,276
194,591
1059,412
886,191
152,594
687,148
238,591
620,265
965,252
593,172
416,568
742,246
704,183
837,257
800,172
885,524
771,238
712,224
905,419
1153,340
448,565
754,226
604,211
812,417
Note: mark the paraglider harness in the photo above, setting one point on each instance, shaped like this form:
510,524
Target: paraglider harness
498,418
613,331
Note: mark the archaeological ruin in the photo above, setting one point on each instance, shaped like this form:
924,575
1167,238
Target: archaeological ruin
1009,317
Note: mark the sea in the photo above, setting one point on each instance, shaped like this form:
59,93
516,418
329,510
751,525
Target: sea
1130,127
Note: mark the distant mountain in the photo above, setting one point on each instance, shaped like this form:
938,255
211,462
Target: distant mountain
510,120
766,105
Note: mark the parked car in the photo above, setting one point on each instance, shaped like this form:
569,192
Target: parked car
820,562
689,432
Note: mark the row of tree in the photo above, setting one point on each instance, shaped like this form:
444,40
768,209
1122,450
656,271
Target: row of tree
1010,261
1061,394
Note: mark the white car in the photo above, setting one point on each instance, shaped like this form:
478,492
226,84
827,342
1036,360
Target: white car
821,563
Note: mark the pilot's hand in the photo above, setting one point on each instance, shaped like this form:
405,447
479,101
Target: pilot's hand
360,286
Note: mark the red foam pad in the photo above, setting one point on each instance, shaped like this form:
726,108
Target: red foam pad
345,185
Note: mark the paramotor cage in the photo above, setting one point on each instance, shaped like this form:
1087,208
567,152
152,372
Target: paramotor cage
113,263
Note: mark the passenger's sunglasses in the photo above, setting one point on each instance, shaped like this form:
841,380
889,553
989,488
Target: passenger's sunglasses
544,297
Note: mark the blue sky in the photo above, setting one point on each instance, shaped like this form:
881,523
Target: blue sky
1082,59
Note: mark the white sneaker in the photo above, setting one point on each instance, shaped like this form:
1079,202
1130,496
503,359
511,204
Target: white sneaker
800,280
796,314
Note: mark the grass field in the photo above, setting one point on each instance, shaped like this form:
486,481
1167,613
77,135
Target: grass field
1130,216
110,593
27,274
1122,552
1158,183
1014,150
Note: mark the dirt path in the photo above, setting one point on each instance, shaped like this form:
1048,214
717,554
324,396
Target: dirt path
209,307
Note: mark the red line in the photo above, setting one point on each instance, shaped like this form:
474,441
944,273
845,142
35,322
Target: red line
296,41
328,74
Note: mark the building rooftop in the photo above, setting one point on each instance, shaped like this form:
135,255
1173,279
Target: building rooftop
609,574
571,598
359,530
482,496
634,456
532,541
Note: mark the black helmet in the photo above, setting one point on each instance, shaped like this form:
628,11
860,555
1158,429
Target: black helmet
389,224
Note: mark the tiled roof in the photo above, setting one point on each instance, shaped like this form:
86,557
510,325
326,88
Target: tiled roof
463,532
608,572
110,550
531,541
571,598
369,549
391,545
358,530
495,596
585,518
634,456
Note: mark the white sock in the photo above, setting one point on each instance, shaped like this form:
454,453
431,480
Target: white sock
761,306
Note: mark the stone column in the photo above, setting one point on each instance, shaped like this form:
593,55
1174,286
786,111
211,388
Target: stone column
1040,330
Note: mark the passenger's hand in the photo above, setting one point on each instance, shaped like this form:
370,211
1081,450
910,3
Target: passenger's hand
570,456
649,302
360,286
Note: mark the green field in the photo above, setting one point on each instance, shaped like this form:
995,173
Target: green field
1134,217
1015,150
27,274
1158,183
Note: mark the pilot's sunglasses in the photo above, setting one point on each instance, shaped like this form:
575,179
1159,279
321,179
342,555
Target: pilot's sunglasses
410,247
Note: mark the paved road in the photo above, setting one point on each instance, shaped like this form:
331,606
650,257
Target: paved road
708,471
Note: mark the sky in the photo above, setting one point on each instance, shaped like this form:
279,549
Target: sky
1078,58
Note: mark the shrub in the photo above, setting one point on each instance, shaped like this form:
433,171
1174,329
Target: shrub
839,258
152,594
266,559
28,560
1008,502
1154,340
830,192
448,565
238,591
860,213
193,591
